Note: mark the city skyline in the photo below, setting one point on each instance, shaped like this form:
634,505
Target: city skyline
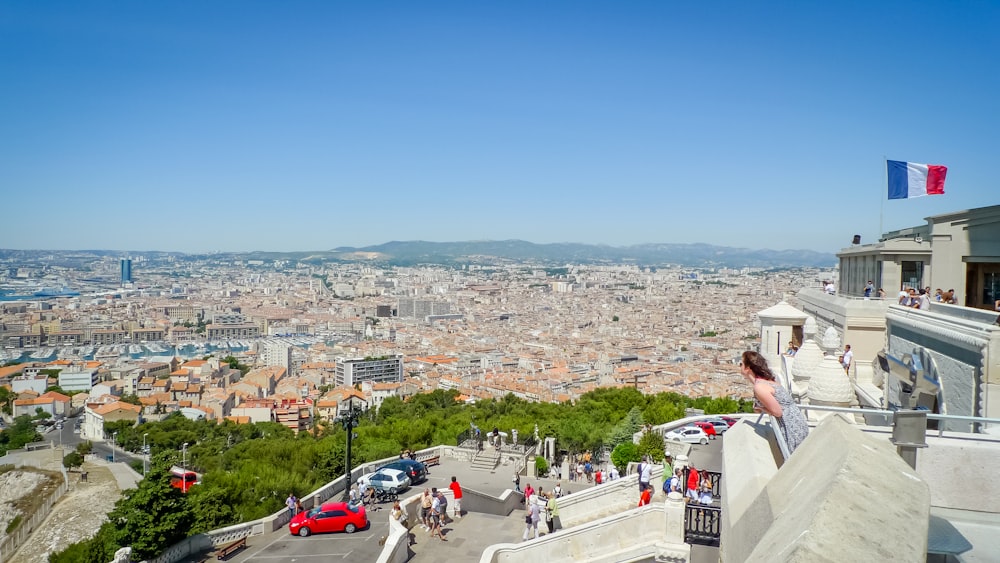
249,126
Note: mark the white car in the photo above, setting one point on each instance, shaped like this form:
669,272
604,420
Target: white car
689,434
387,479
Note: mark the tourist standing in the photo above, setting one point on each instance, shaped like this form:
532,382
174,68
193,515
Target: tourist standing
456,492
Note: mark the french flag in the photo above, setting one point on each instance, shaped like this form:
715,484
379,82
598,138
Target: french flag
909,179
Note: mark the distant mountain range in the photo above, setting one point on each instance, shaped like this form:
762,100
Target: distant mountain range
694,255
409,253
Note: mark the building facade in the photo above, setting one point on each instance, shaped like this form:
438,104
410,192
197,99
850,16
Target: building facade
381,369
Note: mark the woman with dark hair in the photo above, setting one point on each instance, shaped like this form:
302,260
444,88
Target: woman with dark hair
774,399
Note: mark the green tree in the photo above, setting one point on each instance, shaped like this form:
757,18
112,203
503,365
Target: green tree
151,517
651,444
623,454
131,399
7,398
541,466
21,432
627,428
72,460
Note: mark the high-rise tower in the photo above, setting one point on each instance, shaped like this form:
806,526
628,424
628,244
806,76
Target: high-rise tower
126,270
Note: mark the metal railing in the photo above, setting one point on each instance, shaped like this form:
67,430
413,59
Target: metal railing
889,415
702,524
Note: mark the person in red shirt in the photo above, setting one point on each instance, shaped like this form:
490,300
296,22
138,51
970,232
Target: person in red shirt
692,485
456,490
645,496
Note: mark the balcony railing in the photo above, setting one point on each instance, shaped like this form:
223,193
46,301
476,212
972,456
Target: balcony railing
702,524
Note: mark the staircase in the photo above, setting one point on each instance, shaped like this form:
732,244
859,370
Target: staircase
485,461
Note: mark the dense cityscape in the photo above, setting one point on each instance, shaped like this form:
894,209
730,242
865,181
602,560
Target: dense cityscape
158,327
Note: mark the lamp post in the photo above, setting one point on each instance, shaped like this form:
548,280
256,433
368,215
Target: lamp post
349,420
114,439
184,453
145,454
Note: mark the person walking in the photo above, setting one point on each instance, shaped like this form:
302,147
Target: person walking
531,519
290,503
456,492
692,485
517,481
436,517
425,509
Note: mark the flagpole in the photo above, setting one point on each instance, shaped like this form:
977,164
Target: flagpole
885,182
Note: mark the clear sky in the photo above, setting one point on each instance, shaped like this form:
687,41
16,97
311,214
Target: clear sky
199,126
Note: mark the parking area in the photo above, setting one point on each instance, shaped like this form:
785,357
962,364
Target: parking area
365,545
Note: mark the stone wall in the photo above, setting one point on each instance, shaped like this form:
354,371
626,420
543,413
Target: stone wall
842,496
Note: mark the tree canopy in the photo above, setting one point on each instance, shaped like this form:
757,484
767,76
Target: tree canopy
248,469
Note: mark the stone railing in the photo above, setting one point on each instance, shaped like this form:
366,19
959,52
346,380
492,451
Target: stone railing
603,500
650,533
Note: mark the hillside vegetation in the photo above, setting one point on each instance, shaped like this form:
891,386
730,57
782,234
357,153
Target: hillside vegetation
248,470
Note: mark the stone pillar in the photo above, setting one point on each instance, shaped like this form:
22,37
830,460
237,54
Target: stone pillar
674,513
550,449
681,461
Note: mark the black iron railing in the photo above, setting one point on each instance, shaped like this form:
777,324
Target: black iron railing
702,524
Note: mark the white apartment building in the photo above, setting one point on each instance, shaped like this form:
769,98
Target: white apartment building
381,369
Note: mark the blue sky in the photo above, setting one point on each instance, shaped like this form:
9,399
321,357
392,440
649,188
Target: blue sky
199,126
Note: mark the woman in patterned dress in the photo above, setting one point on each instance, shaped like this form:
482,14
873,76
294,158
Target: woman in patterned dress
775,400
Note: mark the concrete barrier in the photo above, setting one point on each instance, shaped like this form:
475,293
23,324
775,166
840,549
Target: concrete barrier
649,533
842,494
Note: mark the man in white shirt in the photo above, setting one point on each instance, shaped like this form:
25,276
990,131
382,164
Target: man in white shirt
645,473
830,289
847,357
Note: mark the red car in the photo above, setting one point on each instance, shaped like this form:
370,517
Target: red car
329,517
708,427
729,420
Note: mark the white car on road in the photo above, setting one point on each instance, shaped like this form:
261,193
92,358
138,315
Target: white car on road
387,479
689,434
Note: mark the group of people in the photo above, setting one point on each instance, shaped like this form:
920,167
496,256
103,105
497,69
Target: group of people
362,493
540,504
697,488
921,298
585,471
434,509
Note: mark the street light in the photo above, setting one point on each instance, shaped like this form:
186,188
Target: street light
114,439
145,453
349,420
184,453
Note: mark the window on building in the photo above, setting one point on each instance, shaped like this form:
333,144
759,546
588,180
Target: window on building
991,287
913,274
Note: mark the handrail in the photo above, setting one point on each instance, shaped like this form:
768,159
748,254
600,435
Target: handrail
779,436
892,413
